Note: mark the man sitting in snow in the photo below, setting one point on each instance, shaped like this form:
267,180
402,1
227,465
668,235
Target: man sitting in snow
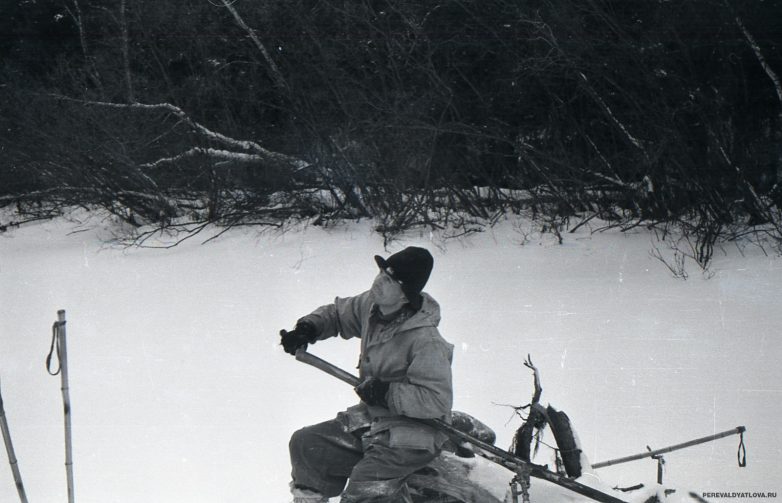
405,367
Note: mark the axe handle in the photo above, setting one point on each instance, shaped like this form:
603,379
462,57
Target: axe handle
333,370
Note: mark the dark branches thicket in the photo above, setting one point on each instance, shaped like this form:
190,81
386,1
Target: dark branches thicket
445,114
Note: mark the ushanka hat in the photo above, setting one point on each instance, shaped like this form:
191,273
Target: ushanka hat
410,267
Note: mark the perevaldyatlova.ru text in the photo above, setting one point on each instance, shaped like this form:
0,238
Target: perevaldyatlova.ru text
735,494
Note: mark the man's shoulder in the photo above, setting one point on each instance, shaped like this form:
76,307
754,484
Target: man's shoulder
429,313
361,302
429,336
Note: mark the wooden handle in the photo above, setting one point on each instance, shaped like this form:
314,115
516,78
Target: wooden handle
310,359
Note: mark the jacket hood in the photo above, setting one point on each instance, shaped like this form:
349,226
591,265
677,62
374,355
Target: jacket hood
427,316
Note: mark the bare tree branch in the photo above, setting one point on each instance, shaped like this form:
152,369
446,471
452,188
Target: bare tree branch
125,51
611,115
225,155
771,75
279,80
89,63
762,60
252,146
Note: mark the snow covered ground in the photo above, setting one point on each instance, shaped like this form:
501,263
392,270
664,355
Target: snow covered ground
180,392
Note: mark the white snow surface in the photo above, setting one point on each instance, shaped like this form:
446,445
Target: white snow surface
181,393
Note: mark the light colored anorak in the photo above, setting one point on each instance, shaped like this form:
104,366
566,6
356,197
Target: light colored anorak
409,353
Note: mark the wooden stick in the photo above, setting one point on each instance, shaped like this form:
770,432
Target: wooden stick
310,359
66,401
9,448
735,431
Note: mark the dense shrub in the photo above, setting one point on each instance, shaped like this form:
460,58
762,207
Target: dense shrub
641,113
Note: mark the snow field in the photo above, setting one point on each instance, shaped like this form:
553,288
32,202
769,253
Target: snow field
180,391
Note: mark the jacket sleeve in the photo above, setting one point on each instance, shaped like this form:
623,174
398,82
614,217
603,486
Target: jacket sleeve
343,317
427,390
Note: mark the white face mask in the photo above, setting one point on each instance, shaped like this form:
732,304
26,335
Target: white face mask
387,293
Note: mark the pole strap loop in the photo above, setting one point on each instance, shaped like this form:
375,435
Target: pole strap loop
742,453
55,346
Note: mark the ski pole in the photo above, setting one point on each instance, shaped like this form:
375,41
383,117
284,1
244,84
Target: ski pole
58,343
735,431
499,456
9,448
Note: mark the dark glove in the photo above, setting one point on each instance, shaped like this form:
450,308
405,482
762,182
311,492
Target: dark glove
373,391
299,337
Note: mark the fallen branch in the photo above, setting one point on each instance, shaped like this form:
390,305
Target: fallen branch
202,130
223,155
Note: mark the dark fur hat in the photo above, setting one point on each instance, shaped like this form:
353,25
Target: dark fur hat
411,267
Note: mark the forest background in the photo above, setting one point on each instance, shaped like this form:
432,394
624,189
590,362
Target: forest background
449,114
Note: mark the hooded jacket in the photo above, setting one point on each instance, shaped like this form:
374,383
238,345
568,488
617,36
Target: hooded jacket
409,353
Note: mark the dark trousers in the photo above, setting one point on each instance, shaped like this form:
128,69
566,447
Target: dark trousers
325,455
